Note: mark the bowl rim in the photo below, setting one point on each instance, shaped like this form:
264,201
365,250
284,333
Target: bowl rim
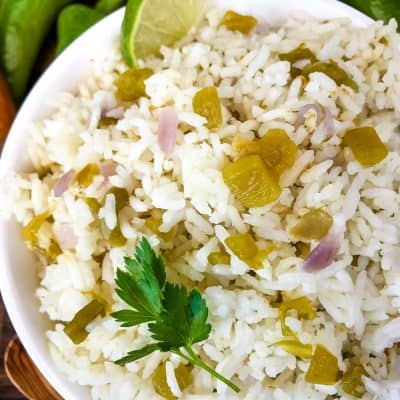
58,378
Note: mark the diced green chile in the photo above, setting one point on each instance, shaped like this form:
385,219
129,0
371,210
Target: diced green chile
314,225
31,229
352,383
299,53
93,204
76,329
130,84
251,181
117,239
366,145
86,175
206,103
324,368
331,69
238,22
106,122
121,197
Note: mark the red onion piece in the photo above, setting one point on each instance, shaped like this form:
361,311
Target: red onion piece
116,112
329,124
65,235
261,27
167,129
104,111
108,168
63,183
323,254
251,381
301,115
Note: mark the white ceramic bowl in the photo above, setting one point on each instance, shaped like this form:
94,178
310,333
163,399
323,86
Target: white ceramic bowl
18,279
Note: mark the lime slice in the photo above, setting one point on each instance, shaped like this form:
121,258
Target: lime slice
149,24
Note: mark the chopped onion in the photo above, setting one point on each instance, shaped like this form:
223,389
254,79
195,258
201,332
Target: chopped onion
167,129
261,27
108,168
323,254
116,113
63,183
329,124
250,380
301,115
65,235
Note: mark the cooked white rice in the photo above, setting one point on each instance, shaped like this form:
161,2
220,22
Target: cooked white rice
357,296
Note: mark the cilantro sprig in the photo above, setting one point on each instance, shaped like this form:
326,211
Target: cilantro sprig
177,319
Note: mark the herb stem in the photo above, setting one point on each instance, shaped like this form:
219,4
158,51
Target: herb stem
196,360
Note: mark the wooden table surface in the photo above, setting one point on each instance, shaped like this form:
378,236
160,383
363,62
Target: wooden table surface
7,390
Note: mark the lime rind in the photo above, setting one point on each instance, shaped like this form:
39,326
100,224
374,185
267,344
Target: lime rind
130,24
150,24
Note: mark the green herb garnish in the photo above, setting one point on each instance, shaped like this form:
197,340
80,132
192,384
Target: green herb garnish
177,319
377,9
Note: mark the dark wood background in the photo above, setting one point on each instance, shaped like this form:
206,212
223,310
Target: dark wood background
7,389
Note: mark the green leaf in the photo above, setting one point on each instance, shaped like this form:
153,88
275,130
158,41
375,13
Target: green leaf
385,9
377,9
199,329
77,18
138,354
138,294
24,25
141,284
73,21
187,311
148,258
361,5
108,6
177,319
127,290
129,318
173,326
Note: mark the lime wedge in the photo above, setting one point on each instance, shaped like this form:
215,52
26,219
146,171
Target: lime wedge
149,24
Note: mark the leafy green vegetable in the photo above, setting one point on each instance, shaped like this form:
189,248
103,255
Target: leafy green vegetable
77,18
23,27
177,318
377,9
73,21
108,6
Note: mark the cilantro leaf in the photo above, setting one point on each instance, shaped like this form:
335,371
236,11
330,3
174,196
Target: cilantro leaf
177,318
138,354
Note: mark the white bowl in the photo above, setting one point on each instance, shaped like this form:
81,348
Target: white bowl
19,279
